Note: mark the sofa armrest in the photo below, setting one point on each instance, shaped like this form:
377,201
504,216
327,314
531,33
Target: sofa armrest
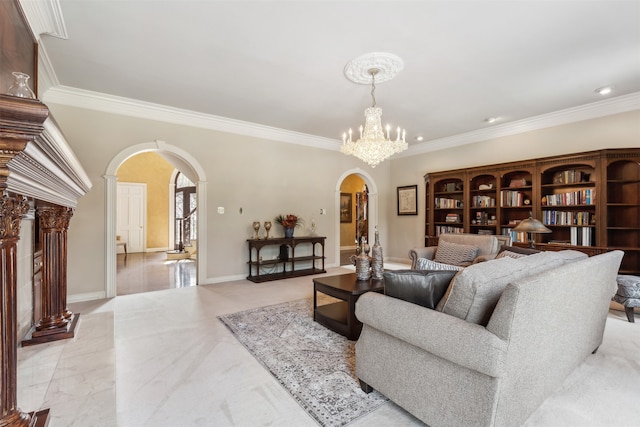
427,252
483,258
445,336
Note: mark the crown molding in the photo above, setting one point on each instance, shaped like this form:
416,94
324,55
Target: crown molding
129,107
619,104
45,17
146,110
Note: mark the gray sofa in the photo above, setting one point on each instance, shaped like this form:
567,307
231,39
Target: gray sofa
495,347
488,246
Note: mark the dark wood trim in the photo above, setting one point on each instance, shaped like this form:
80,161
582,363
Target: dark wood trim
57,321
12,209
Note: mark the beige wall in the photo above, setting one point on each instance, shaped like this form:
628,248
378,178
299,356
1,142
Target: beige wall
153,170
616,131
266,178
262,177
352,185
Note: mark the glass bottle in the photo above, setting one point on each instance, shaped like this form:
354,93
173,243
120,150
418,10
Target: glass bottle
20,87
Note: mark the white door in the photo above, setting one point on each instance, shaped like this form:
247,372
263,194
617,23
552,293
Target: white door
131,202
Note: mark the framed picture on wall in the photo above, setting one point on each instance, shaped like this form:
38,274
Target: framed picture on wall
408,200
345,207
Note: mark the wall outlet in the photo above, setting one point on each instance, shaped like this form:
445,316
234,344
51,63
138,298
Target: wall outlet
220,210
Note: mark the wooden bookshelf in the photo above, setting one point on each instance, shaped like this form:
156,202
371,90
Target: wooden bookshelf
589,200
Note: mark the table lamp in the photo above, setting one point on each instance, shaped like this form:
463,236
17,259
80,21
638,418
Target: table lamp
531,226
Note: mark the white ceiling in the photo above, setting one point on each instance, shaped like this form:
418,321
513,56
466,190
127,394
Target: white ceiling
280,63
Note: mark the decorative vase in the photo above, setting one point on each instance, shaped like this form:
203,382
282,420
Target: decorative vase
288,232
20,87
377,267
363,266
256,227
267,226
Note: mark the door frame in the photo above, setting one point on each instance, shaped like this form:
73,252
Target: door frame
110,207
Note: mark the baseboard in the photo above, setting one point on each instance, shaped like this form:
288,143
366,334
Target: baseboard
221,279
89,296
398,260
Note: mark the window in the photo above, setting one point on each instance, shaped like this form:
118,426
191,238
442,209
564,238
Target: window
185,212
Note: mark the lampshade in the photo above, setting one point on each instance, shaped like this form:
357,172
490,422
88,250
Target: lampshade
531,225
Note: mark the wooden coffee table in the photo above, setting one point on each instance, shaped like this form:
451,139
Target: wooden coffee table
340,316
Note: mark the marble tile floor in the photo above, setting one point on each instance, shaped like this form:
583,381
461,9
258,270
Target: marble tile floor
164,359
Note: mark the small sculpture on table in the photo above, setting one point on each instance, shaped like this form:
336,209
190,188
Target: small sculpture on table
362,262
256,227
377,267
267,226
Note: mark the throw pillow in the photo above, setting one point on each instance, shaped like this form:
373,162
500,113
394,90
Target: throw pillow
455,253
424,288
510,255
427,264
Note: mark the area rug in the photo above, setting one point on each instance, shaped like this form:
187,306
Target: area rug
315,365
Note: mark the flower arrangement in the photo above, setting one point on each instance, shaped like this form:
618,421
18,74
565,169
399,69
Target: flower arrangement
289,221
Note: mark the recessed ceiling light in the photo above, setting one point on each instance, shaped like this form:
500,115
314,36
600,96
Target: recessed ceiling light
491,119
606,90
420,138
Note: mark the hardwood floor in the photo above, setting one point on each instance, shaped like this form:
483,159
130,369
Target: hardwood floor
145,272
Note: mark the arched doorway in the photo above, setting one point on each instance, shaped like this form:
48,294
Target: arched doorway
354,216
184,162
364,204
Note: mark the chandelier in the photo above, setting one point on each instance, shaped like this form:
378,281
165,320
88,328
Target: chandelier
373,146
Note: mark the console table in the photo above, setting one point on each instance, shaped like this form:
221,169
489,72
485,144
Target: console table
291,265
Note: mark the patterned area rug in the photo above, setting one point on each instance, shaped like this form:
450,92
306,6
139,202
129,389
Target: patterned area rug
314,364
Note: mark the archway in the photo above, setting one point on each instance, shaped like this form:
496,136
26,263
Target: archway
372,201
183,161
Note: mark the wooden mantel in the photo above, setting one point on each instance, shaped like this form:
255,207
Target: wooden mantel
45,168
37,165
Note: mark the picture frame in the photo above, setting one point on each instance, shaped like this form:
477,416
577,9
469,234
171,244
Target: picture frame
408,200
346,207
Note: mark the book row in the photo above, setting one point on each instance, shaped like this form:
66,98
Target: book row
483,202
566,218
445,203
572,198
513,198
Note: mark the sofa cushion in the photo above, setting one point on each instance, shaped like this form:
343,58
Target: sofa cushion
420,287
427,264
474,292
510,254
455,253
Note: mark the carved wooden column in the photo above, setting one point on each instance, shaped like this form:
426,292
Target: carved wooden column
12,208
20,122
57,322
